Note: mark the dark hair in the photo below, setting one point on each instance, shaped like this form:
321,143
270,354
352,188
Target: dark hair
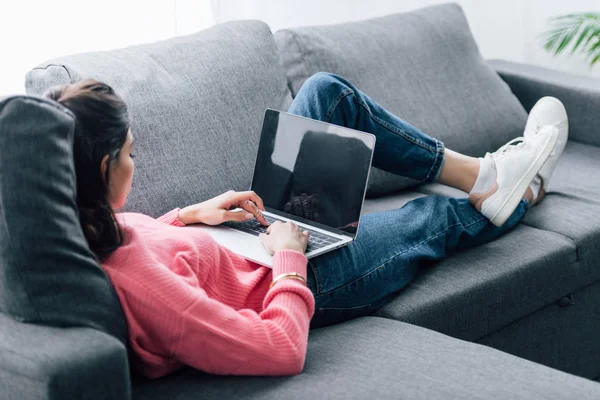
101,127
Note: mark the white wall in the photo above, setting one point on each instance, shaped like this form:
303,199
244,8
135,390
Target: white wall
506,29
32,31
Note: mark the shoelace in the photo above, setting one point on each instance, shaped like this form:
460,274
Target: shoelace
510,146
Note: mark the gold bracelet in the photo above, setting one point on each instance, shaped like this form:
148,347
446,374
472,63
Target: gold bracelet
289,275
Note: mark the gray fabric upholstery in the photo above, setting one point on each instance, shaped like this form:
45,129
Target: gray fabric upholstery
572,206
564,335
196,103
577,172
580,95
477,291
392,202
46,363
382,359
423,66
48,275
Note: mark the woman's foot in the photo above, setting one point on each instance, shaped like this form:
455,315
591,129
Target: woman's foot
514,165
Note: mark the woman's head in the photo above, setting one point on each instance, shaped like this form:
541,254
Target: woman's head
103,158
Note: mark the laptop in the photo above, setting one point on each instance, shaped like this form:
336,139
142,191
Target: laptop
306,171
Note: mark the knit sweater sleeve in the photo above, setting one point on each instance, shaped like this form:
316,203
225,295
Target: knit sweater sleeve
218,339
171,218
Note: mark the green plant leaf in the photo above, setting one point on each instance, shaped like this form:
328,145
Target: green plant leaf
581,30
582,36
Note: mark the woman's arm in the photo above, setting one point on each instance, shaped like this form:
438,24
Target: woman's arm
171,218
217,210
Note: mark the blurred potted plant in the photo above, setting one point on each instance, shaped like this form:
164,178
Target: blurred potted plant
580,32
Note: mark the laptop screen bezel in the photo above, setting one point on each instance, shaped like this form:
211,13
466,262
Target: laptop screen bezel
371,146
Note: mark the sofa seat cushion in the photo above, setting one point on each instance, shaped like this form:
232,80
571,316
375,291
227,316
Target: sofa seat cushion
423,66
563,335
572,206
390,202
383,359
196,102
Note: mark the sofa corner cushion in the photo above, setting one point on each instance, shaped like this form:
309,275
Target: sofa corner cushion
423,66
48,274
196,104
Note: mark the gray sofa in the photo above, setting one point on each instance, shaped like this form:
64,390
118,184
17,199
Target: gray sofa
515,318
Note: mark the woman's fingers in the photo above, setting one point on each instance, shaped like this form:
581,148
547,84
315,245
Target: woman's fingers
264,240
252,208
252,203
237,216
239,197
273,225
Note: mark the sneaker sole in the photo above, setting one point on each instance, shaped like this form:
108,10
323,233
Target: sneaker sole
511,203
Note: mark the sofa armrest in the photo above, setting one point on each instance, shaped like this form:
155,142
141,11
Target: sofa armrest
579,94
41,362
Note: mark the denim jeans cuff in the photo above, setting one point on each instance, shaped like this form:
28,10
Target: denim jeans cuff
438,162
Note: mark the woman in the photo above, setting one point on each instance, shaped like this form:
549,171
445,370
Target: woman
189,301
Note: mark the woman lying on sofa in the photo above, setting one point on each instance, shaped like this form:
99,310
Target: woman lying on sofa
189,301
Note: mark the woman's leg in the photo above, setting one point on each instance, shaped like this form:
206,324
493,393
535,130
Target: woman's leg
400,147
391,245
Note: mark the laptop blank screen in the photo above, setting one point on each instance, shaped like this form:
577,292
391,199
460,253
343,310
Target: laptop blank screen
313,170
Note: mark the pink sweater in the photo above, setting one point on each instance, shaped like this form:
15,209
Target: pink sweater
189,301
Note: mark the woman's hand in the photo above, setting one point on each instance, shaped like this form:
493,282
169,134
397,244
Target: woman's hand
282,236
217,210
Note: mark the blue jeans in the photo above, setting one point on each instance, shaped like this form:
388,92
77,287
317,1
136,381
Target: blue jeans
391,245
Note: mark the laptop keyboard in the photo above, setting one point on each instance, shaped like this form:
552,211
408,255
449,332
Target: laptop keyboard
316,240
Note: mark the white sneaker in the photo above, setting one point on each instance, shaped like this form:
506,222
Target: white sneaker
548,111
516,164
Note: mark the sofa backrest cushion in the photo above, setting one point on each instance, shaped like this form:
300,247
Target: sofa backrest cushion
48,275
423,66
196,103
